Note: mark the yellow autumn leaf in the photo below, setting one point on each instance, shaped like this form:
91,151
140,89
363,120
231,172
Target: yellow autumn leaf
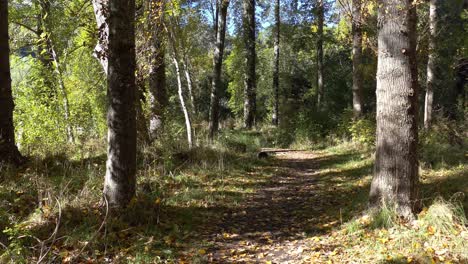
202,252
431,230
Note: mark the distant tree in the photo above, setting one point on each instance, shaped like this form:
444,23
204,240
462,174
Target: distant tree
52,61
248,29
173,24
320,21
357,57
222,7
120,180
8,150
395,179
445,45
275,118
157,73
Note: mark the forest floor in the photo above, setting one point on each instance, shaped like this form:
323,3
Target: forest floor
281,220
216,205
311,210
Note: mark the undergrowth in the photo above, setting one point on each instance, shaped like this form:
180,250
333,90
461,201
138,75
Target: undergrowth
52,208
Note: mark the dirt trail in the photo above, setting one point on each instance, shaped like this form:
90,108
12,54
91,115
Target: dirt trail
272,225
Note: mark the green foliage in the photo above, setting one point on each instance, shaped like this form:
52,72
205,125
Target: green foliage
443,145
363,131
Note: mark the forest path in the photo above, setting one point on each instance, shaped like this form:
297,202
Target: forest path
277,222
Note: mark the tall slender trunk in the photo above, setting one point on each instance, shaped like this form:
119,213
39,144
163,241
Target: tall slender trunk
8,150
101,12
395,179
51,61
180,91
188,123
357,58
249,26
120,179
157,74
275,118
63,91
431,62
188,78
222,7
320,21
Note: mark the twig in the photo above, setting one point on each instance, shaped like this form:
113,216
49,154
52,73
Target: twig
52,236
103,224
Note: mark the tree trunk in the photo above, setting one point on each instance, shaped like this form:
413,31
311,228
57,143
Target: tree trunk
320,21
275,118
8,150
188,78
431,62
101,12
222,7
51,61
188,123
157,74
395,179
63,91
175,60
120,180
248,22
357,58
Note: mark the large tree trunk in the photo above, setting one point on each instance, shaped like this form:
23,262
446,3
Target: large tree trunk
222,7
395,179
101,12
275,118
357,58
320,21
120,180
248,22
157,74
8,150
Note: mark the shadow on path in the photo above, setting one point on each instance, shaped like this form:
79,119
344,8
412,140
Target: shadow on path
275,222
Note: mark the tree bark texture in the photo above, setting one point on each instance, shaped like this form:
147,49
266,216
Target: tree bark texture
248,22
434,6
320,22
222,6
275,117
157,75
8,150
120,180
395,180
101,12
357,58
